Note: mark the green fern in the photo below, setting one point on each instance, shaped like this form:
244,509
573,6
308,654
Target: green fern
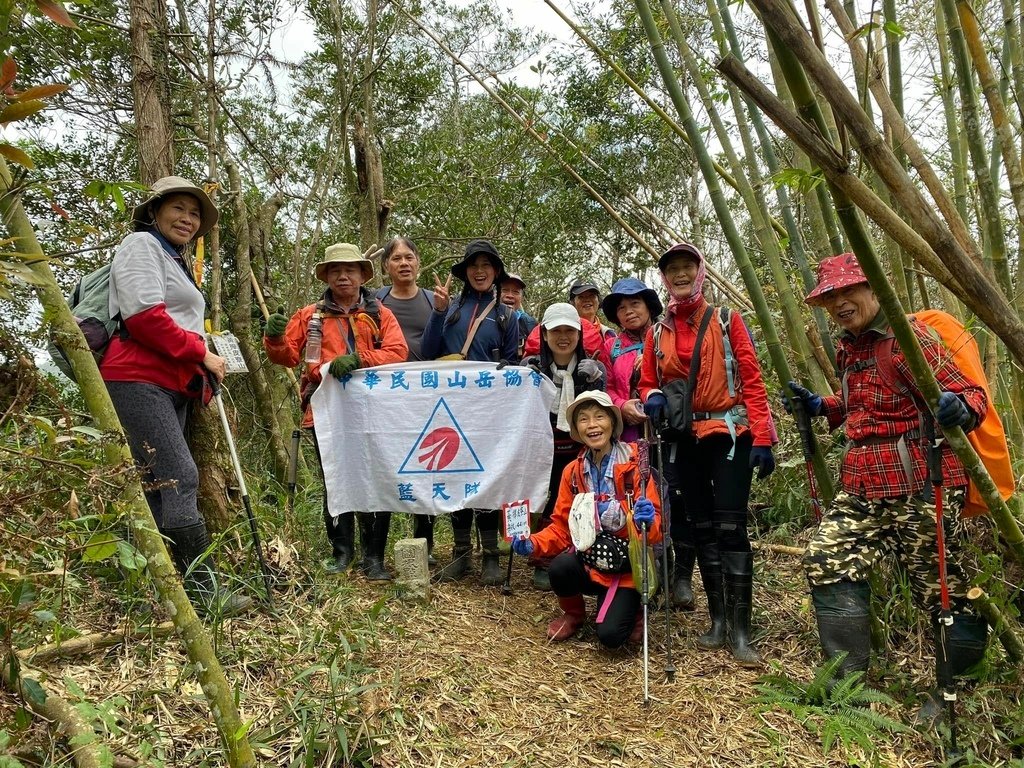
837,710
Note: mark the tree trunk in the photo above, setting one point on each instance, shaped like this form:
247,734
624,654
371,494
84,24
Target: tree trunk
148,31
241,322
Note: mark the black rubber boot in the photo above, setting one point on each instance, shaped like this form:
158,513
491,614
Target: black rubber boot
457,568
375,547
423,528
966,640
843,611
682,576
738,576
711,575
189,547
490,569
341,531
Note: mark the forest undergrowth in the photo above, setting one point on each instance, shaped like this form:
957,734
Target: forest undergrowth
344,672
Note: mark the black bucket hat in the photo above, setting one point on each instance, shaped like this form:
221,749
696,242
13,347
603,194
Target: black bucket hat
473,249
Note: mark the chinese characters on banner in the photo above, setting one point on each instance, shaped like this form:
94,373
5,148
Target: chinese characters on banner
434,437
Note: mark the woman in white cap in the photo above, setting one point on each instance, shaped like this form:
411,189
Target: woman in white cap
348,328
608,478
476,326
157,364
563,360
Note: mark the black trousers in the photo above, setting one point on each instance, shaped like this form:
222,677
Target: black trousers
154,419
569,578
486,519
713,490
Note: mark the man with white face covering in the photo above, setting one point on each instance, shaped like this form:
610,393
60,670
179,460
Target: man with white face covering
564,361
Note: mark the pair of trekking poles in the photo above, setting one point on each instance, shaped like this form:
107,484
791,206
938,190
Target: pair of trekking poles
947,685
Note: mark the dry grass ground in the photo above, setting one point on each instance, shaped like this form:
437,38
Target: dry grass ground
348,673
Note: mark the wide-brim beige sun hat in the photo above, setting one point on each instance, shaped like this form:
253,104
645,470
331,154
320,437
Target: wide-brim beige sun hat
170,185
600,398
343,253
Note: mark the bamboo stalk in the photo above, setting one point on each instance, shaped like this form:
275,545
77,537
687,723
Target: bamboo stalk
953,209
988,210
752,199
876,151
725,220
635,87
957,147
94,641
82,739
863,248
725,31
1000,625
780,549
218,691
824,361
1000,124
713,274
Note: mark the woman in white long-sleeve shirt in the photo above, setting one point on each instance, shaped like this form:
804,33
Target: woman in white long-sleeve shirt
157,364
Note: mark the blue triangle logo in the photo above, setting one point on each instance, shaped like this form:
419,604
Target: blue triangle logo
441,448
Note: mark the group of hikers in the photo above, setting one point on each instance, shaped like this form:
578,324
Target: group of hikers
685,369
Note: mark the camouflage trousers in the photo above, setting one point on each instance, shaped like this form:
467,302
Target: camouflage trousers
856,533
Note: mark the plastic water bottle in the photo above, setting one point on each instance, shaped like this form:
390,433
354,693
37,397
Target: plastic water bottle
313,338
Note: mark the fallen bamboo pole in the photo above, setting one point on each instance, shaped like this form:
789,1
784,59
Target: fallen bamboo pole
83,743
86,644
781,549
997,620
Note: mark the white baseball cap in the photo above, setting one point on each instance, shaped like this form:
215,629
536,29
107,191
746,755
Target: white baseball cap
561,314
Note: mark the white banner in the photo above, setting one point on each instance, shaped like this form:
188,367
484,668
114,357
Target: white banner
434,437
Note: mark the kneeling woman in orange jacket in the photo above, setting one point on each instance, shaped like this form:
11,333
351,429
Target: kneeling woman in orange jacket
608,469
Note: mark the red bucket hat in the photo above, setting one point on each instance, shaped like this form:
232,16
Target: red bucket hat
834,273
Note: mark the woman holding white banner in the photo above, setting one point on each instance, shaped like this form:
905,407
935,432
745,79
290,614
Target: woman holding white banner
349,329
601,494
476,327
562,359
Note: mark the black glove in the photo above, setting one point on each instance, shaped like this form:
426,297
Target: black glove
952,412
812,402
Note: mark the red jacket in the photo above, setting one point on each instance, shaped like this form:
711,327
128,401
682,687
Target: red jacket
555,539
289,349
593,342
157,351
678,336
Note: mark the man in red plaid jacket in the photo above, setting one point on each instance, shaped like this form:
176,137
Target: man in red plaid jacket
885,504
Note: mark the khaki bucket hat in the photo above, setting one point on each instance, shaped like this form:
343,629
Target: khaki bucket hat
600,398
170,185
343,253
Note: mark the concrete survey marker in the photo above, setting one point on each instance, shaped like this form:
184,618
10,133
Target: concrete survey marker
412,567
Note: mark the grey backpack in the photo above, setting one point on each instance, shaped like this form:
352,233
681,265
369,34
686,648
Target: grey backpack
90,304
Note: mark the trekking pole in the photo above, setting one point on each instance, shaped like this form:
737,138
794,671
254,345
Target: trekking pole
644,465
215,386
947,685
293,462
810,447
666,538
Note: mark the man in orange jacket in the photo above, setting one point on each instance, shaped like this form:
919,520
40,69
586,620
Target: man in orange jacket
347,329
